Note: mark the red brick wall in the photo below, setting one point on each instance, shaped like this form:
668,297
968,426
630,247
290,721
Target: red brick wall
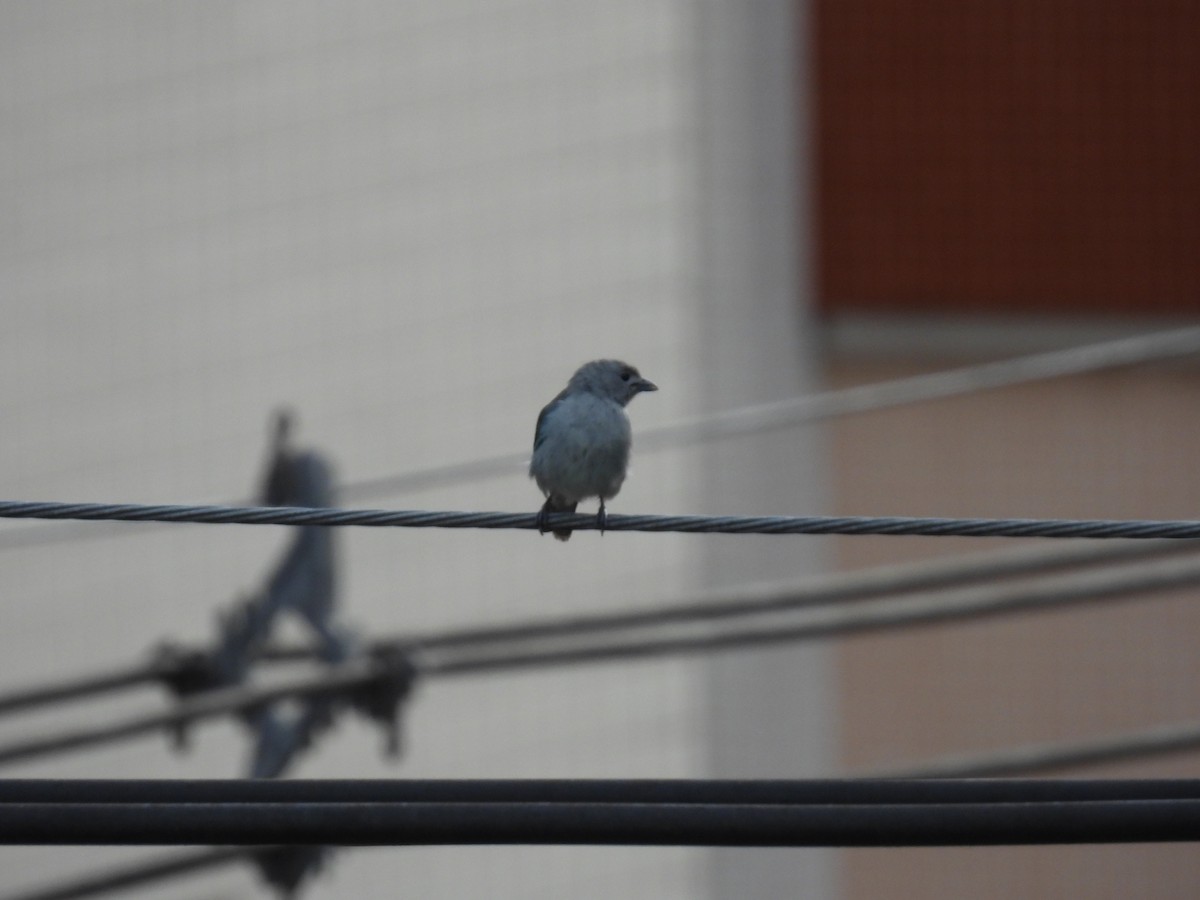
1008,155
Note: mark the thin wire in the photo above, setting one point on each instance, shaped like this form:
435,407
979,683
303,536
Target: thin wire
79,688
836,588
756,418
764,417
878,581
1160,740
1140,529
763,630
142,873
817,622
334,680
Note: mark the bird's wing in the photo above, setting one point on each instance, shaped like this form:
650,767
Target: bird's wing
539,434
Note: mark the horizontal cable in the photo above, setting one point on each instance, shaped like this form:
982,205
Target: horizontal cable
381,518
676,791
863,793
607,823
759,417
1160,740
442,658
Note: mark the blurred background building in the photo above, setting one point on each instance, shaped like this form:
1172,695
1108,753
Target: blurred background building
411,222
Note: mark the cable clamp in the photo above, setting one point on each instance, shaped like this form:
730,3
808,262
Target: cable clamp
380,698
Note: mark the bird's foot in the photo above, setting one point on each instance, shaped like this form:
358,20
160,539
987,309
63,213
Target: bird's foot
543,518
602,518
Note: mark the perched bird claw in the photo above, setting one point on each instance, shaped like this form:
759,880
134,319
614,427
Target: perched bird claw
543,518
602,518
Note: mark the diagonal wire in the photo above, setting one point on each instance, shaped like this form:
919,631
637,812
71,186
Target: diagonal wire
1159,740
335,680
877,581
123,878
803,624
79,687
764,417
891,580
814,623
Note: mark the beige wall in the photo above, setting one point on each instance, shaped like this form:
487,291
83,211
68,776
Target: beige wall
1116,445
410,221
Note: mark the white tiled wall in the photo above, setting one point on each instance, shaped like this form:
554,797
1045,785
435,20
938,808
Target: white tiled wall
410,221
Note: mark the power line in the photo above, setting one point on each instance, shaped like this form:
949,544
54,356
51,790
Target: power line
830,404
142,873
407,518
901,785
816,622
868,793
334,680
1157,741
79,688
756,418
877,581
836,588
877,791
443,658
604,823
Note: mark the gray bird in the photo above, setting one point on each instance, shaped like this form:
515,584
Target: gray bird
581,443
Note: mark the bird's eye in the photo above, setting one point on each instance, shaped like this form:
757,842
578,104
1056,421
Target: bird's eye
626,375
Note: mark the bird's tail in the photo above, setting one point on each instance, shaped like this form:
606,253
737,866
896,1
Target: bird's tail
564,534
553,506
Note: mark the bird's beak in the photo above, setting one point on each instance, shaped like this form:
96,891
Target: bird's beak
643,385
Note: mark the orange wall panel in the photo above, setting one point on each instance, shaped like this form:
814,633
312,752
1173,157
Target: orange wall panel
1008,155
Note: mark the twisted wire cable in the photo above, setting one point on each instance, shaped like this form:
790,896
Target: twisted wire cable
756,418
416,518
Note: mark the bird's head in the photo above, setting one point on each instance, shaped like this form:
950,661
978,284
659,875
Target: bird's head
611,378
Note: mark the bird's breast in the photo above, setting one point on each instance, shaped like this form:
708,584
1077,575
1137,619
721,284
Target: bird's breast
585,450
